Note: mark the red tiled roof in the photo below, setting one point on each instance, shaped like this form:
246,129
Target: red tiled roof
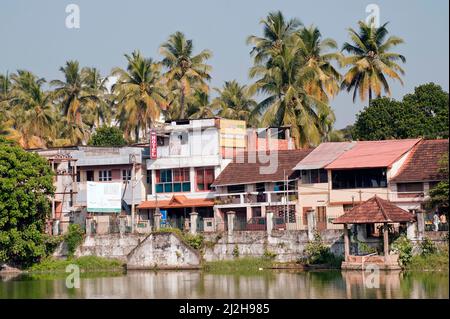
369,154
375,210
423,163
177,201
257,169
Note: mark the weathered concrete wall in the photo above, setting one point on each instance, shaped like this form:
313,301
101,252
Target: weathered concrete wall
286,245
163,250
108,245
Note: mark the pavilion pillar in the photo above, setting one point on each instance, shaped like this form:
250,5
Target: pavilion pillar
386,241
346,243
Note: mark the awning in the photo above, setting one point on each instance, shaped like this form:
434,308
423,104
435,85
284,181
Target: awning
177,201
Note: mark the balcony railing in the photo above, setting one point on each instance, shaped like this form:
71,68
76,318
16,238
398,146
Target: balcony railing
278,197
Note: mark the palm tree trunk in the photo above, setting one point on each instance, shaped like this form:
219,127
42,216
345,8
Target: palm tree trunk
136,133
370,96
182,104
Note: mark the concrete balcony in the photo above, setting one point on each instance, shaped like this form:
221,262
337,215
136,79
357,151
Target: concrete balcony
269,198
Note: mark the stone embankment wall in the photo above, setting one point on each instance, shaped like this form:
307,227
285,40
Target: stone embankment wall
163,251
284,245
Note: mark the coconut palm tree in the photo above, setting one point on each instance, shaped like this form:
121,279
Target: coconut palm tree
371,61
285,80
186,73
199,106
234,102
73,93
99,110
33,111
318,61
276,32
140,96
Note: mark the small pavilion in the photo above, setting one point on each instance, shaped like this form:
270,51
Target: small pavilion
373,211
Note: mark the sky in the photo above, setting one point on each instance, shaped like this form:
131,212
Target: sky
34,35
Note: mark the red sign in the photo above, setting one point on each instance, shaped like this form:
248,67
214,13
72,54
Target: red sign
153,145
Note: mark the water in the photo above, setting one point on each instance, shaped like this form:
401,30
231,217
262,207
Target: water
197,284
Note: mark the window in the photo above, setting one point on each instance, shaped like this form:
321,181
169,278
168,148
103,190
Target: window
233,189
260,187
359,178
126,175
409,187
149,177
78,178
173,180
281,186
204,178
314,176
348,207
105,176
90,176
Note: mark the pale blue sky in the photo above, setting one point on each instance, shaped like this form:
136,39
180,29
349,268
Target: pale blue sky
34,37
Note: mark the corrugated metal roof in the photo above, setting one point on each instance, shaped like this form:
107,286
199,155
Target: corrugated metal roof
323,155
369,154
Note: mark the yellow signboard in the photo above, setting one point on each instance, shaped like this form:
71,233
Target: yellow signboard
232,133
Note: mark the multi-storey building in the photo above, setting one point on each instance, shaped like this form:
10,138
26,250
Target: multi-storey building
337,176
256,183
190,155
76,166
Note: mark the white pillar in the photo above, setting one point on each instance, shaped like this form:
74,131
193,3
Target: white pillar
156,220
411,230
269,222
311,224
230,220
193,228
249,213
88,226
420,225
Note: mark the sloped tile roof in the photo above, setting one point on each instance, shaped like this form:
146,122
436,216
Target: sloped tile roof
370,154
423,163
375,210
177,201
253,168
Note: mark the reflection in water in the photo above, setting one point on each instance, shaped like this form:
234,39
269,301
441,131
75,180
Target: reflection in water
196,284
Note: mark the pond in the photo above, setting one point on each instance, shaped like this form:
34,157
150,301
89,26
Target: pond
263,284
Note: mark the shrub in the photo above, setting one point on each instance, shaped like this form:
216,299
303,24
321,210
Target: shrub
404,248
73,238
51,242
318,253
195,241
235,251
427,247
269,255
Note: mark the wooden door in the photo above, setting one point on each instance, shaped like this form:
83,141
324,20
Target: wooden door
321,217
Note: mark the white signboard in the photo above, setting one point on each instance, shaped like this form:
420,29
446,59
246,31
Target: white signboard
104,197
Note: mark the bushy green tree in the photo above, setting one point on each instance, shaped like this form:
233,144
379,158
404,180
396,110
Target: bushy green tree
107,136
439,193
25,185
423,113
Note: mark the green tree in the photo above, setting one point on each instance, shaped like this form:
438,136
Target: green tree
296,77
186,73
421,114
107,136
439,194
25,186
371,61
234,102
139,94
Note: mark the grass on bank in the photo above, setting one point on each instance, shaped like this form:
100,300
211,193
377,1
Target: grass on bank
432,262
245,265
86,263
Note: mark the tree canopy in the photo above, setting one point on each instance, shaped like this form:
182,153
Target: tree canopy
107,136
423,113
25,186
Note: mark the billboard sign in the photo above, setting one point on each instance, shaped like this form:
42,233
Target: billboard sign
153,145
104,197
